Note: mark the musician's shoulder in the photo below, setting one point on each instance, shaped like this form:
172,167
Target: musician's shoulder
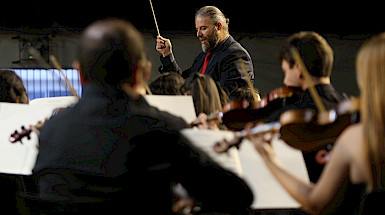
350,135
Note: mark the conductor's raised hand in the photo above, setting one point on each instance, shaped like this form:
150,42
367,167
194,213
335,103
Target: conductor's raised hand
163,46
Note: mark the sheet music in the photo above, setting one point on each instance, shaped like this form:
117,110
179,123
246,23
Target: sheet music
19,158
181,106
55,102
246,162
205,140
268,191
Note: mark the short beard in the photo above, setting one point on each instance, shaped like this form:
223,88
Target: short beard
212,42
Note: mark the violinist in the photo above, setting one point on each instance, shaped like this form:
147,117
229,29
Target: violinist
220,52
207,98
113,152
317,56
12,88
204,92
356,165
168,83
244,93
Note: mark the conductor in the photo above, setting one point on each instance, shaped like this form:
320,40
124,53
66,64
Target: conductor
220,56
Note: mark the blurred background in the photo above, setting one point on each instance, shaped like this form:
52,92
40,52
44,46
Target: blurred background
53,27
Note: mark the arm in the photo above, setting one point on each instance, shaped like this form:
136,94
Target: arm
210,184
232,74
175,159
313,197
169,64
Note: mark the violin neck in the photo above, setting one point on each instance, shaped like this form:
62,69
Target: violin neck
271,127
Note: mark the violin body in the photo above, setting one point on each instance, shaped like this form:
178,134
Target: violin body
237,113
305,129
308,130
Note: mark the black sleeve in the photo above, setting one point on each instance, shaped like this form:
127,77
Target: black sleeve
232,76
209,183
169,64
170,155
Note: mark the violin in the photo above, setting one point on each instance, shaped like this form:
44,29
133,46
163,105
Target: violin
308,130
210,117
224,145
25,132
237,113
304,129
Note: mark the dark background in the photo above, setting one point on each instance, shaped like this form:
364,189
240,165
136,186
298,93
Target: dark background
260,26
337,17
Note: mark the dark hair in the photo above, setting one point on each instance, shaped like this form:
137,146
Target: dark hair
204,92
223,97
11,88
314,50
168,83
243,93
110,51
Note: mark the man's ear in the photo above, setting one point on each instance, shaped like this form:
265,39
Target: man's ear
322,156
142,71
219,26
147,70
298,71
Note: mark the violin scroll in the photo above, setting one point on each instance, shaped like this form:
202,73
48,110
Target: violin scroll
224,145
25,132
18,136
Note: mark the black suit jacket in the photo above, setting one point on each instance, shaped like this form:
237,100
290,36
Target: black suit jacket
115,150
223,67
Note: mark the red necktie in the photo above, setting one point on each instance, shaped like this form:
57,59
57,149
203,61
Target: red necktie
206,62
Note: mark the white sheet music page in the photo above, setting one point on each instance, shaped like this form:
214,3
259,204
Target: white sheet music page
205,140
181,106
269,194
19,158
55,102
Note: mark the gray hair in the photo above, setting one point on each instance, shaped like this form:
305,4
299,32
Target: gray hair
215,16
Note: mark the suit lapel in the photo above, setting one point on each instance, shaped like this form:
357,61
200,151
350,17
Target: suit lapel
217,55
198,63
214,60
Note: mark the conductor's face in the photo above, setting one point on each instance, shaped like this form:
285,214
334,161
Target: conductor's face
207,32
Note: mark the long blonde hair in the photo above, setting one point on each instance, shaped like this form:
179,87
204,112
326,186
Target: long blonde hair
370,66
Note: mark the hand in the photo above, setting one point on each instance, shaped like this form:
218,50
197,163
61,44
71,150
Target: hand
207,124
163,46
36,128
261,143
185,206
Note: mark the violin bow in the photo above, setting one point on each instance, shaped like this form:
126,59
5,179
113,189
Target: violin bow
153,14
248,80
305,73
40,59
58,67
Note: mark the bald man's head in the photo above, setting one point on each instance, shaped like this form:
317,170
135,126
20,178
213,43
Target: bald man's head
110,51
